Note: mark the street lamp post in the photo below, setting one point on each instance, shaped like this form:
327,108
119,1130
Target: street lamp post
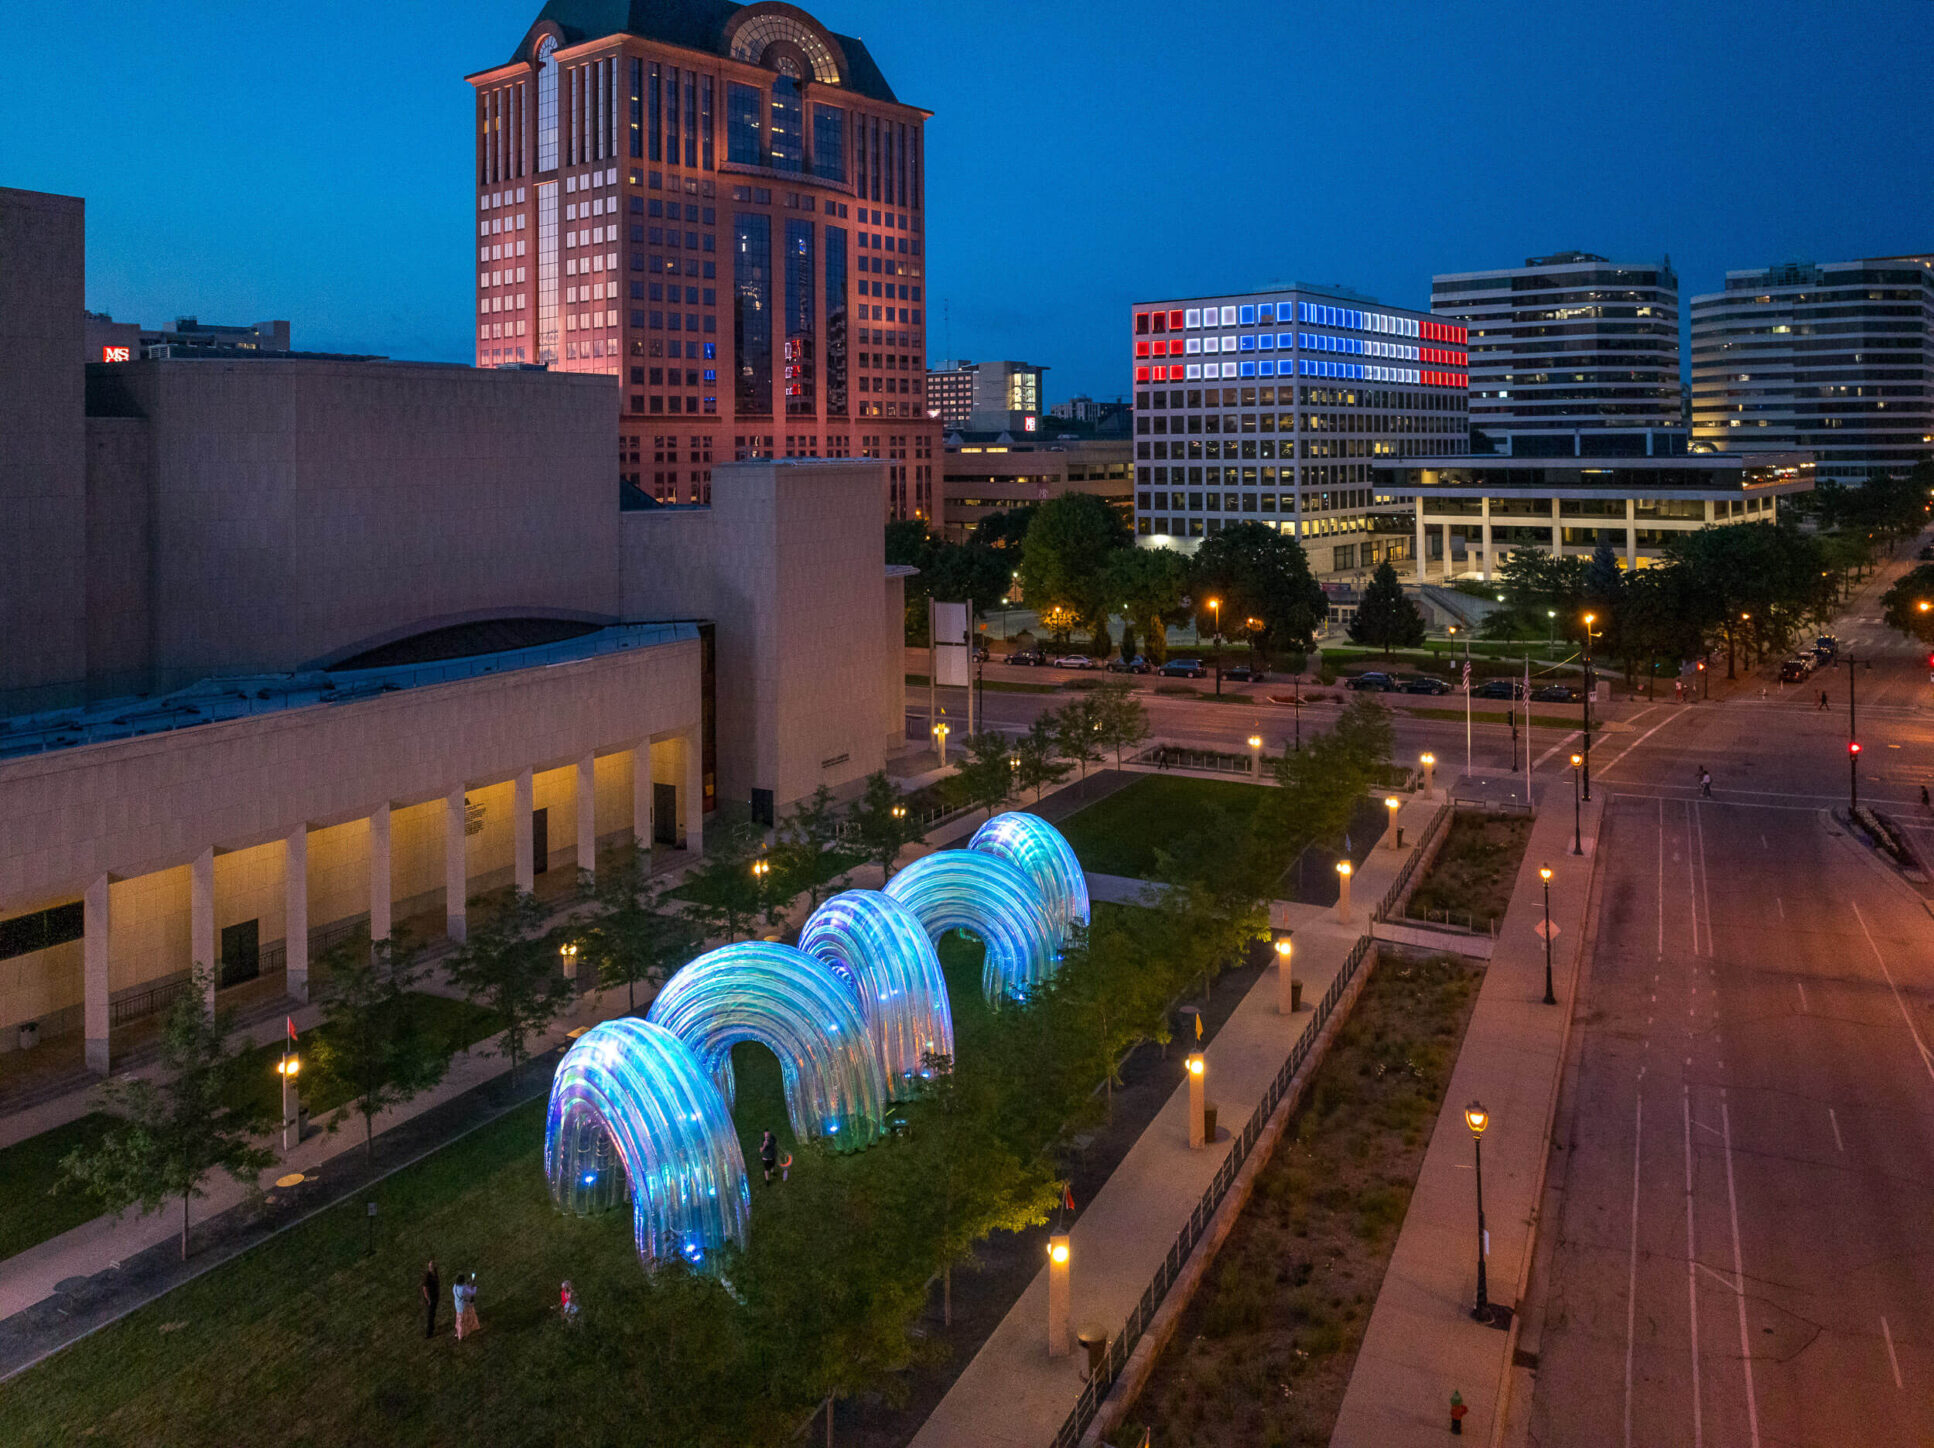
568,953
1343,870
1393,804
1215,607
1477,1118
1589,619
1577,811
1429,761
1551,632
1853,738
287,1068
1288,992
1544,873
1255,756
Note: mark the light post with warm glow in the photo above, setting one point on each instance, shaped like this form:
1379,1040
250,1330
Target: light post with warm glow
568,954
1429,761
1590,618
940,732
1343,869
1255,756
1477,1118
1060,1339
1215,607
1289,991
288,1068
1577,812
1393,804
1198,1065
1544,873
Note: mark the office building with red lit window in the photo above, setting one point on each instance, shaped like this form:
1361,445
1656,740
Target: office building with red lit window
1274,407
722,207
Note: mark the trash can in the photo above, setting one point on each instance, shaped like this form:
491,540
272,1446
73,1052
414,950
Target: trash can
1093,1338
29,1035
1208,1120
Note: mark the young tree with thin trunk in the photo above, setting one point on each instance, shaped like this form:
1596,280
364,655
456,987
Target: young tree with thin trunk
1040,754
1077,731
629,937
509,966
987,775
809,852
885,823
172,1133
1123,719
373,1048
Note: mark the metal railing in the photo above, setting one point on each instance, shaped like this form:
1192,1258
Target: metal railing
1123,1342
1394,895
1174,756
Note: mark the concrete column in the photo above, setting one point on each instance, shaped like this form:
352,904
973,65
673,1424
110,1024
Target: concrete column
201,918
694,794
642,828
1490,563
1448,567
1423,557
295,910
94,973
1557,532
456,867
520,820
587,814
379,882
1632,531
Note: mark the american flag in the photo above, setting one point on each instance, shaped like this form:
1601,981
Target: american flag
1467,676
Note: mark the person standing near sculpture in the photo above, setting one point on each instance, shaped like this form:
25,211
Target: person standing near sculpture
430,1291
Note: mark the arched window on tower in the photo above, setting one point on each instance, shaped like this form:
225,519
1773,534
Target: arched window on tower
547,103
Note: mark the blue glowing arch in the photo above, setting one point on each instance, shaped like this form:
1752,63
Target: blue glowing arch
1039,851
633,1090
880,949
983,893
794,1004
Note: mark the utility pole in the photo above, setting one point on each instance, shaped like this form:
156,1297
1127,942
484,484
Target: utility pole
1589,618
1853,740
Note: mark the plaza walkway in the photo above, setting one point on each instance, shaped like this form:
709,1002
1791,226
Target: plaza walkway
1421,1343
1012,1394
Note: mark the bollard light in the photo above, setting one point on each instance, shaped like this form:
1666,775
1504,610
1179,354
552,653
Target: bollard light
1288,992
1060,1339
568,953
1429,761
1393,804
1343,871
1198,1101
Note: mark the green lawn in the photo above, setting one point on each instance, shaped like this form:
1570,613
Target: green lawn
30,1212
1119,835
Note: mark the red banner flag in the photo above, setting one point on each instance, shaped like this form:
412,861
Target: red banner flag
291,1021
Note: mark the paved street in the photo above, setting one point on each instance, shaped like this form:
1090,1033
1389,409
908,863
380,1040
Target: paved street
1747,1155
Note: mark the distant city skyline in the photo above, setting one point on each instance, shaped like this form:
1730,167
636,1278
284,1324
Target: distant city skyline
1072,168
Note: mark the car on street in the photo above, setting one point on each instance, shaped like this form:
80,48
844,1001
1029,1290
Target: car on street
1425,684
1183,669
1243,674
1136,665
1373,680
1027,657
1927,553
1554,694
981,655
1074,661
1499,689
1793,671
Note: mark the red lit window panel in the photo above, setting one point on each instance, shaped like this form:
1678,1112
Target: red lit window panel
1161,321
1141,374
1175,321
1141,349
1141,323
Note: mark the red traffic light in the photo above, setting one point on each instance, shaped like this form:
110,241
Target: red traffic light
1853,746
1930,661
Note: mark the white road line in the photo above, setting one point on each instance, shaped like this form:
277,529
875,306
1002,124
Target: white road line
1538,763
1607,769
1834,1121
1632,1268
1739,1274
1705,875
1892,1357
1692,1271
1781,904
1912,1029
1802,985
1661,884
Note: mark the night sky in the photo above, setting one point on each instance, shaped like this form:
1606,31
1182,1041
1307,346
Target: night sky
313,161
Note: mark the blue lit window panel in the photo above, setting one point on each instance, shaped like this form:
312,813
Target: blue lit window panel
1285,340
1302,311
1247,344
1266,312
1265,369
1266,342
1248,369
1246,316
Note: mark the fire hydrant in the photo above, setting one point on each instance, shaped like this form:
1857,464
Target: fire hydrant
1457,1412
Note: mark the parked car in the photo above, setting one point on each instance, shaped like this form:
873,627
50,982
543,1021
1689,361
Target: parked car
1136,665
1425,684
1499,689
1793,671
1373,680
1027,656
1074,661
1822,656
980,653
1183,669
1554,694
1243,674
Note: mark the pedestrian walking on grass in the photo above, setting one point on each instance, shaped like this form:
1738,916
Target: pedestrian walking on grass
465,1293
431,1290
769,1155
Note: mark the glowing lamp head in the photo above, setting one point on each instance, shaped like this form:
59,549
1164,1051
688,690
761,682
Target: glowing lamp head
1427,760
1393,804
1284,947
1255,741
1343,868
1196,1064
1590,619
1544,873
289,1066
1058,1253
1477,1118
1925,605
899,811
1576,760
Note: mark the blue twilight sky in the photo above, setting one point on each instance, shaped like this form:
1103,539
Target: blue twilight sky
313,161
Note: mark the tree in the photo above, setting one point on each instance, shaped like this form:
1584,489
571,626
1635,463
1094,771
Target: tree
374,1049
1385,618
1004,531
726,893
629,937
1039,754
1065,557
1149,585
1123,719
1077,731
173,1132
1542,594
986,775
1905,606
1318,788
809,852
1259,573
883,822
509,967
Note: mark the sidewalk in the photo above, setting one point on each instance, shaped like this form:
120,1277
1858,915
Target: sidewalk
1421,1343
1012,1394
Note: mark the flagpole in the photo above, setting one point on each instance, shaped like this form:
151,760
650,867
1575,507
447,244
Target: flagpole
1467,706
1527,729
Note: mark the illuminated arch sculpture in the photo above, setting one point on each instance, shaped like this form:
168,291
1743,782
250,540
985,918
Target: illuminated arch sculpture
879,948
632,1090
1039,851
983,893
795,1005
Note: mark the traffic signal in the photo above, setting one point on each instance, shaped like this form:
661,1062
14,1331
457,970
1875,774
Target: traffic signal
1853,746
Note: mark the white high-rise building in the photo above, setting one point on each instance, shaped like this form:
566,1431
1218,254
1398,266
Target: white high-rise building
1571,356
1834,359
